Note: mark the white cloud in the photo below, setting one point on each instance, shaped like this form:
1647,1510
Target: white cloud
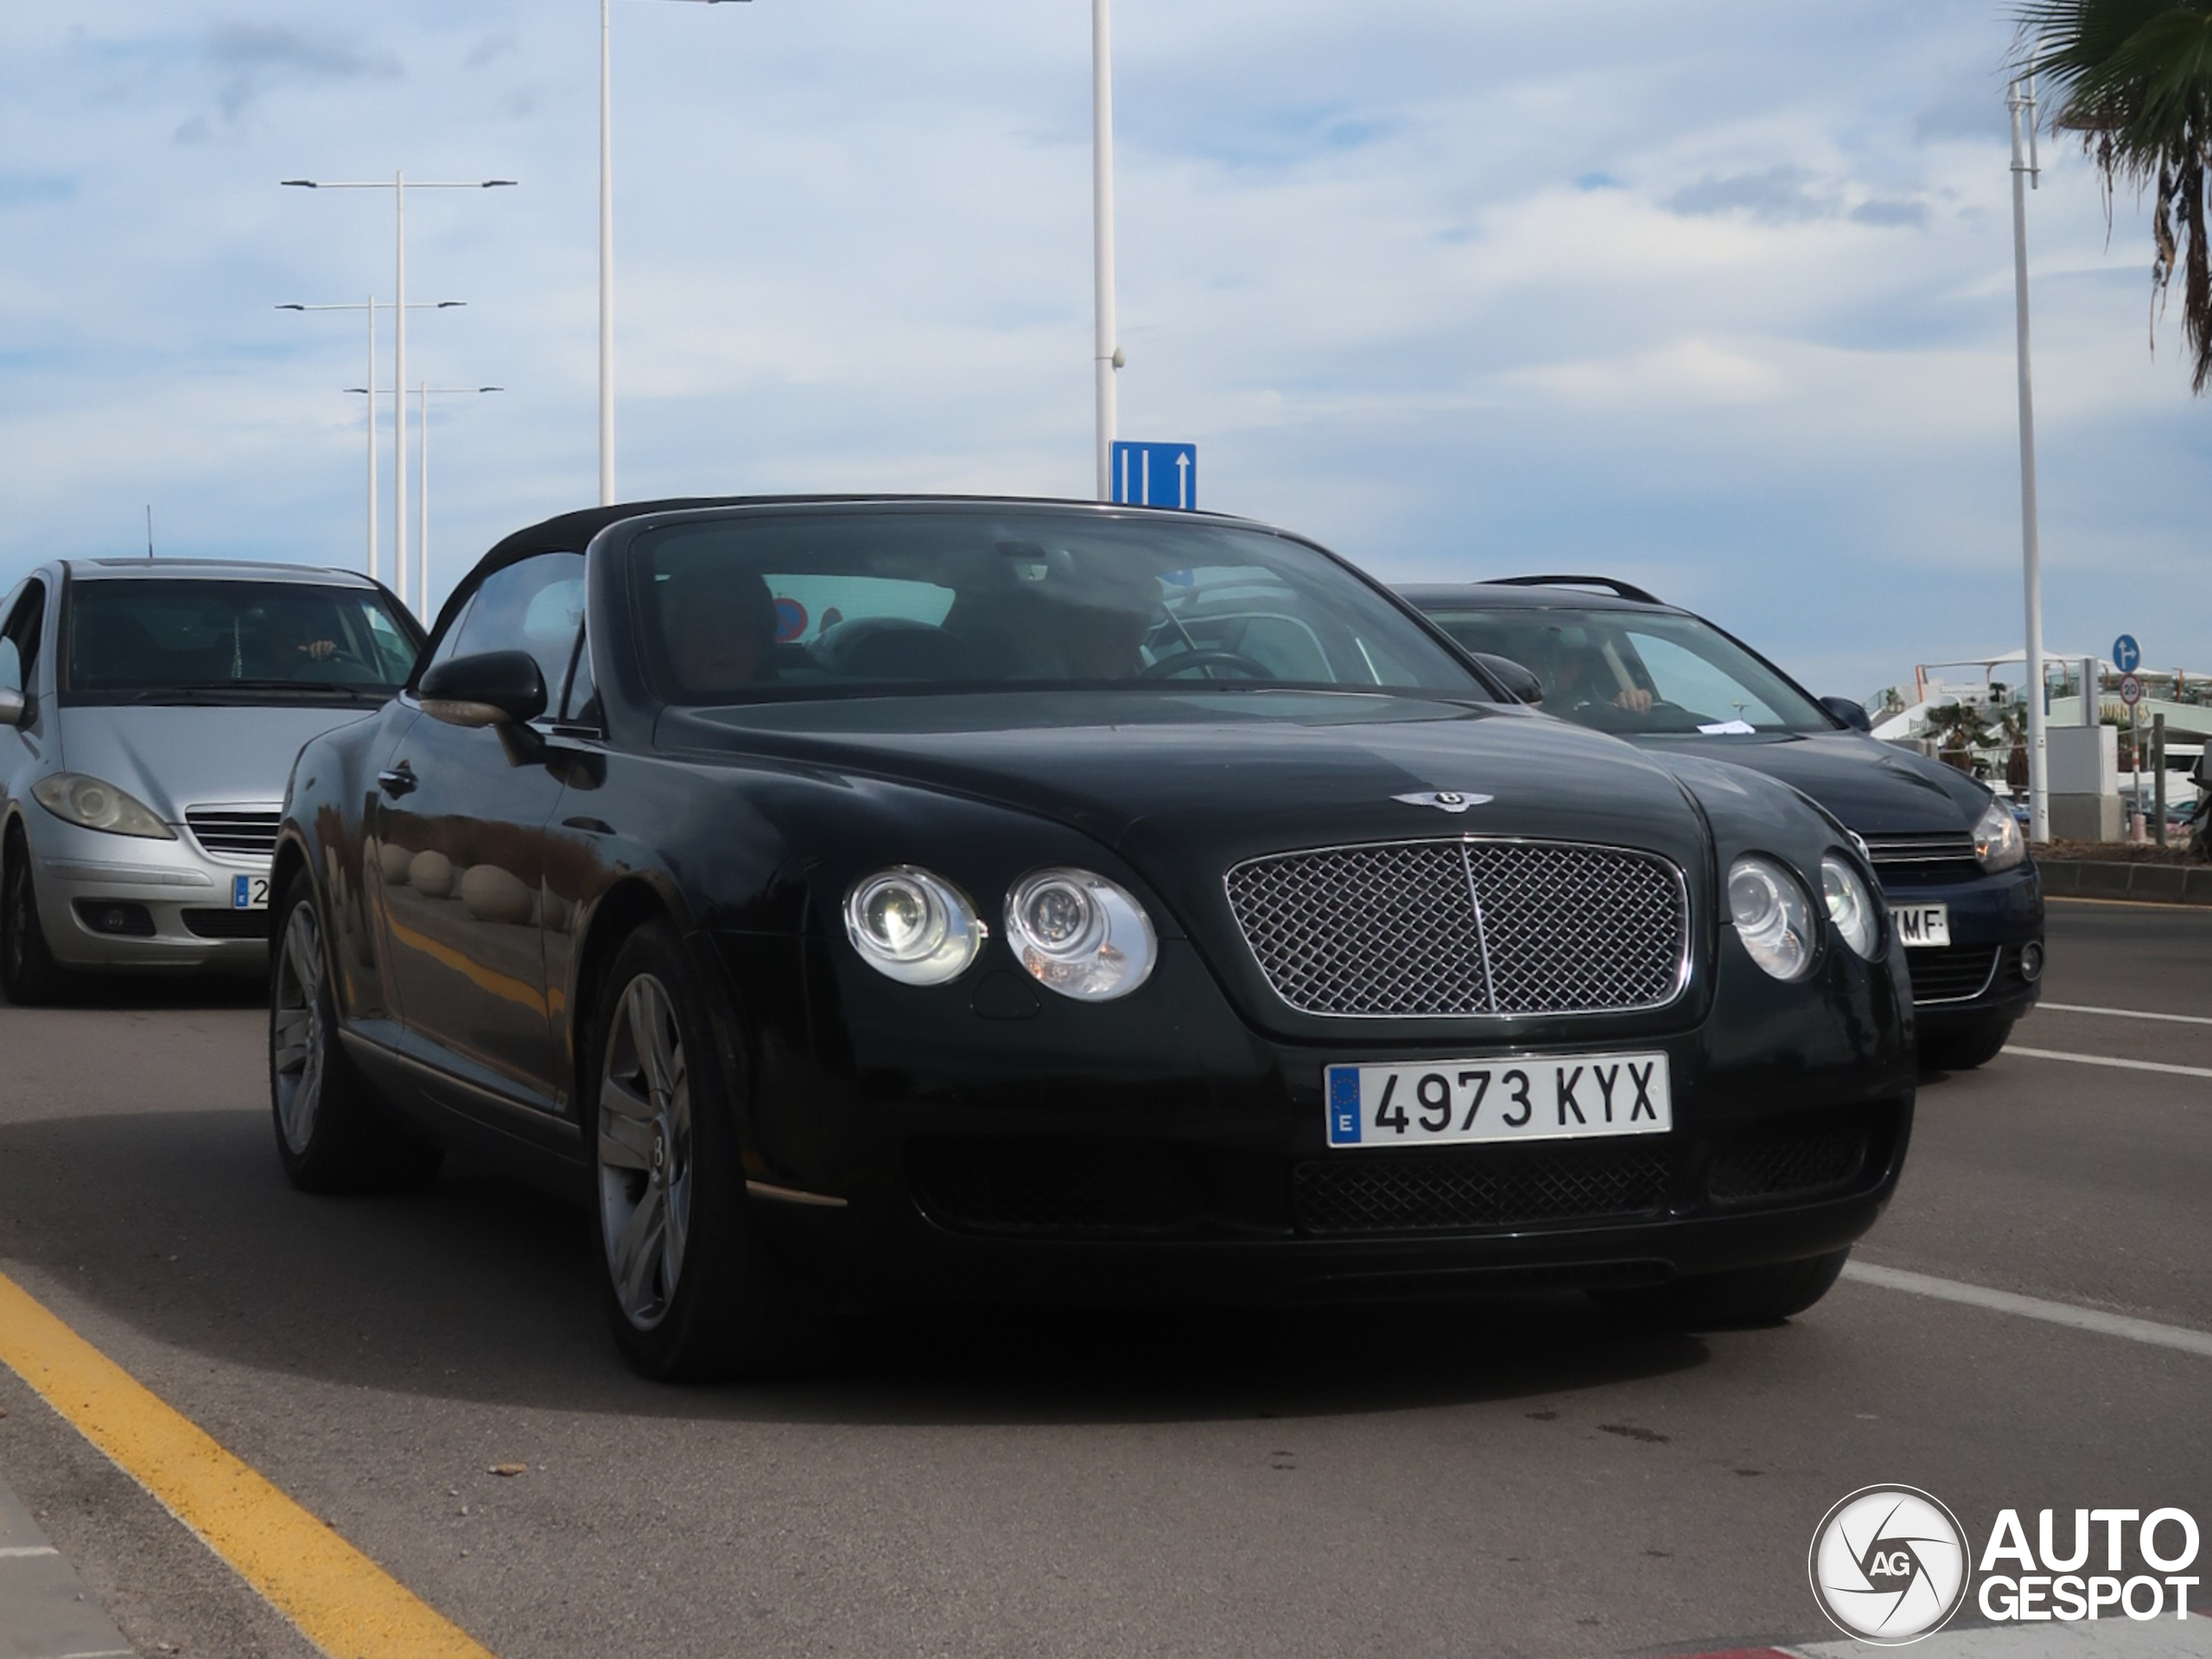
1716,295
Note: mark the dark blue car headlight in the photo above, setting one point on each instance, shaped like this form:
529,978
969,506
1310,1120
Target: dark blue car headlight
1997,839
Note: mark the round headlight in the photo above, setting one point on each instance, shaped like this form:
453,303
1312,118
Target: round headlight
1773,916
96,804
915,927
1080,934
1850,907
1997,839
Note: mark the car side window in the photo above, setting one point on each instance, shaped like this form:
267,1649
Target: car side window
19,640
534,605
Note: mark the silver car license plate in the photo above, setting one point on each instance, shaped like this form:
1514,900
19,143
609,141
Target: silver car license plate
249,893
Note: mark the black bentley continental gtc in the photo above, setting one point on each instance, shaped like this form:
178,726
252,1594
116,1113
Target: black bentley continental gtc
868,900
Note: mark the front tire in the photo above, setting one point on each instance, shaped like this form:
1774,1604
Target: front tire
687,1292
1744,1296
28,972
1964,1048
333,1134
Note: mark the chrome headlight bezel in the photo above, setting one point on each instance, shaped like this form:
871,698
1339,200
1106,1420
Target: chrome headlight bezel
1998,842
943,938
1850,906
1076,932
94,804
1772,915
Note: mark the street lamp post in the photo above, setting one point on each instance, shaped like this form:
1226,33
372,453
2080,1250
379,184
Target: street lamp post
371,306
607,249
423,393
1107,352
400,185
2020,101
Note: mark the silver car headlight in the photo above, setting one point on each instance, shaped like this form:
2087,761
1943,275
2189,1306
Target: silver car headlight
913,926
1773,916
1997,839
92,804
1850,907
1080,934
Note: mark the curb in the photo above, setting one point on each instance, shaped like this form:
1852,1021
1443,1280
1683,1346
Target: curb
43,1611
2156,884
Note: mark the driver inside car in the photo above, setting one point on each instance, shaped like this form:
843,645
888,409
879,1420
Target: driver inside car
720,631
1580,677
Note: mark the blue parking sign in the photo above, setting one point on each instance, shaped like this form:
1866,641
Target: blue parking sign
1156,475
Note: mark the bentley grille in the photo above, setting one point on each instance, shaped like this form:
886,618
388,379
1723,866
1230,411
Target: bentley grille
1430,928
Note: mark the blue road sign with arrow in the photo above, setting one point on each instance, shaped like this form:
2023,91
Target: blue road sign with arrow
1156,475
2127,655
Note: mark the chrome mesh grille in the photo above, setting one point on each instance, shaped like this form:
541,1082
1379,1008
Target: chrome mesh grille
1437,929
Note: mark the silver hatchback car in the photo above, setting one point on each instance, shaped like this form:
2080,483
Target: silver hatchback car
149,714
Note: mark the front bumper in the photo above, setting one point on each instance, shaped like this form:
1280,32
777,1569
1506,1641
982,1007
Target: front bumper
1109,1152
87,882
1979,976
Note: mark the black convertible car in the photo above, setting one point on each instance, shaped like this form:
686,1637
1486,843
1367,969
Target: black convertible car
886,899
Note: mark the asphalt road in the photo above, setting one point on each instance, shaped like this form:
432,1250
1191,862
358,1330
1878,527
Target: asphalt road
1521,1478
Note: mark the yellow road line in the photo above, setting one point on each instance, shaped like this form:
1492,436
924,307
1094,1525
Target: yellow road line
341,1600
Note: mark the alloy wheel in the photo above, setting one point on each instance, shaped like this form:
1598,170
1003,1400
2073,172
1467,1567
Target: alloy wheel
645,1152
296,1031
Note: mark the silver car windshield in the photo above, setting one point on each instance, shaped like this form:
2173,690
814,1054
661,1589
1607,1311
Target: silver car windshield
862,603
1638,671
180,640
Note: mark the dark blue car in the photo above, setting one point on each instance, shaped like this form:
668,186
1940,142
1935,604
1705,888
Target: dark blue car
1962,891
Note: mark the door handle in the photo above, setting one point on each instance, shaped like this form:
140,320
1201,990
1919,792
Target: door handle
398,780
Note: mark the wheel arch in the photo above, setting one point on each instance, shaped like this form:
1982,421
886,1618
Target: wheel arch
633,901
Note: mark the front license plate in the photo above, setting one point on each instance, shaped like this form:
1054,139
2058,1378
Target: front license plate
249,893
1530,1098
1922,924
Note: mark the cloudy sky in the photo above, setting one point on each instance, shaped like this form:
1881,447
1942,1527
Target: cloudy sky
1711,295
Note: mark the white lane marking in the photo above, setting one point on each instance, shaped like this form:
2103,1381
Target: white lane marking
2127,1013
2178,1337
2107,1059
19,1552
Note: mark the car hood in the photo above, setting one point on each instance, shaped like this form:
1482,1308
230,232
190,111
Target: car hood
1229,775
173,758
1875,788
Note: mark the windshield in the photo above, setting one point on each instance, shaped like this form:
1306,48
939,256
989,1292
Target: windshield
860,603
158,640
1639,671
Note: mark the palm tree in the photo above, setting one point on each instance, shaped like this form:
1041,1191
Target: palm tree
2135,78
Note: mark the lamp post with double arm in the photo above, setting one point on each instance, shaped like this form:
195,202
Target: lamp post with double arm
399,184
372,305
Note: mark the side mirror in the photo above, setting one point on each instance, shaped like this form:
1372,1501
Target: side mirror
1851,712
491,687
13,710
1522,685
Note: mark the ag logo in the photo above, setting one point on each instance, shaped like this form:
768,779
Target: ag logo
1444,800
1889,1565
